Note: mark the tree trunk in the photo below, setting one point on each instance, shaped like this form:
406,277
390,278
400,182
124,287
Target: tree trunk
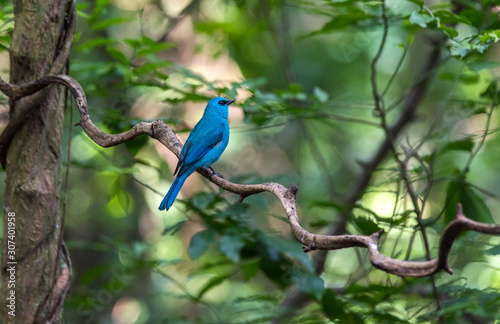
35,264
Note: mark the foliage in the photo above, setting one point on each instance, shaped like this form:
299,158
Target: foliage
301,73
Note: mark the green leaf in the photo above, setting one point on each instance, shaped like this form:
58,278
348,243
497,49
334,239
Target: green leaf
309,283
98,10
203,202
464,48
494,250
135,145
171,230
353,17
452,198
148,67
365,226
82,6
320,94
255,83
452,33
153,49
332,306
491,91
469,78
276,270
336,309
117,55
460,49
422,20
134,43
114,170
418,2
103,24
490,37
473,16
466,144
231,244
82,14
295,88
473,205
479,65
250,269
214,282
384,317
292,248
234,210
98,41
200,242
480,110
448,17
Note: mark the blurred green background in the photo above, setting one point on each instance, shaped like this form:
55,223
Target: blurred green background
304,114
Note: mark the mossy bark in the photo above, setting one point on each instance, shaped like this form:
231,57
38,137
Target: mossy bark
33,172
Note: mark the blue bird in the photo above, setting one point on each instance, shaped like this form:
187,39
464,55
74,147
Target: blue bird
204,146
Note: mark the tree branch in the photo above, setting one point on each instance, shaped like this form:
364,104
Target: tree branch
161,132
17,117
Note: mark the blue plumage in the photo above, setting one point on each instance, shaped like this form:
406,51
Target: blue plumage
204,146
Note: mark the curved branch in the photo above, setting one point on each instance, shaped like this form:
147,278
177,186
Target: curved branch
161,132
55,66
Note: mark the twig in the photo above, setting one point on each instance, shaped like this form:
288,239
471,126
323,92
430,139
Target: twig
287,46
376,96
483,137
418,211
316,152
174,21
413,98
396,70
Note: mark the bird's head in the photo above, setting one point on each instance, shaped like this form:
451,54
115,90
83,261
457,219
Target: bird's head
218,105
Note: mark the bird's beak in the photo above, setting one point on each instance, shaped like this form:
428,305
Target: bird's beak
230,102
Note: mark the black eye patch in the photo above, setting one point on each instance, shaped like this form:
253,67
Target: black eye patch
222,102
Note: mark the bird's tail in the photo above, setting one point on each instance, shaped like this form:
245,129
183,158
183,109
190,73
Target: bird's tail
172,193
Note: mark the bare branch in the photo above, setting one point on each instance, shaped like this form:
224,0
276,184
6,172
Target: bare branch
61,286
174,21
159,131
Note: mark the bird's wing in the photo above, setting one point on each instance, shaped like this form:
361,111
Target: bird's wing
194,151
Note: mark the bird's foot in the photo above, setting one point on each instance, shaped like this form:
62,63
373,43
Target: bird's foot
215,173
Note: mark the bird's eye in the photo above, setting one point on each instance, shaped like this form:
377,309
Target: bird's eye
222,102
